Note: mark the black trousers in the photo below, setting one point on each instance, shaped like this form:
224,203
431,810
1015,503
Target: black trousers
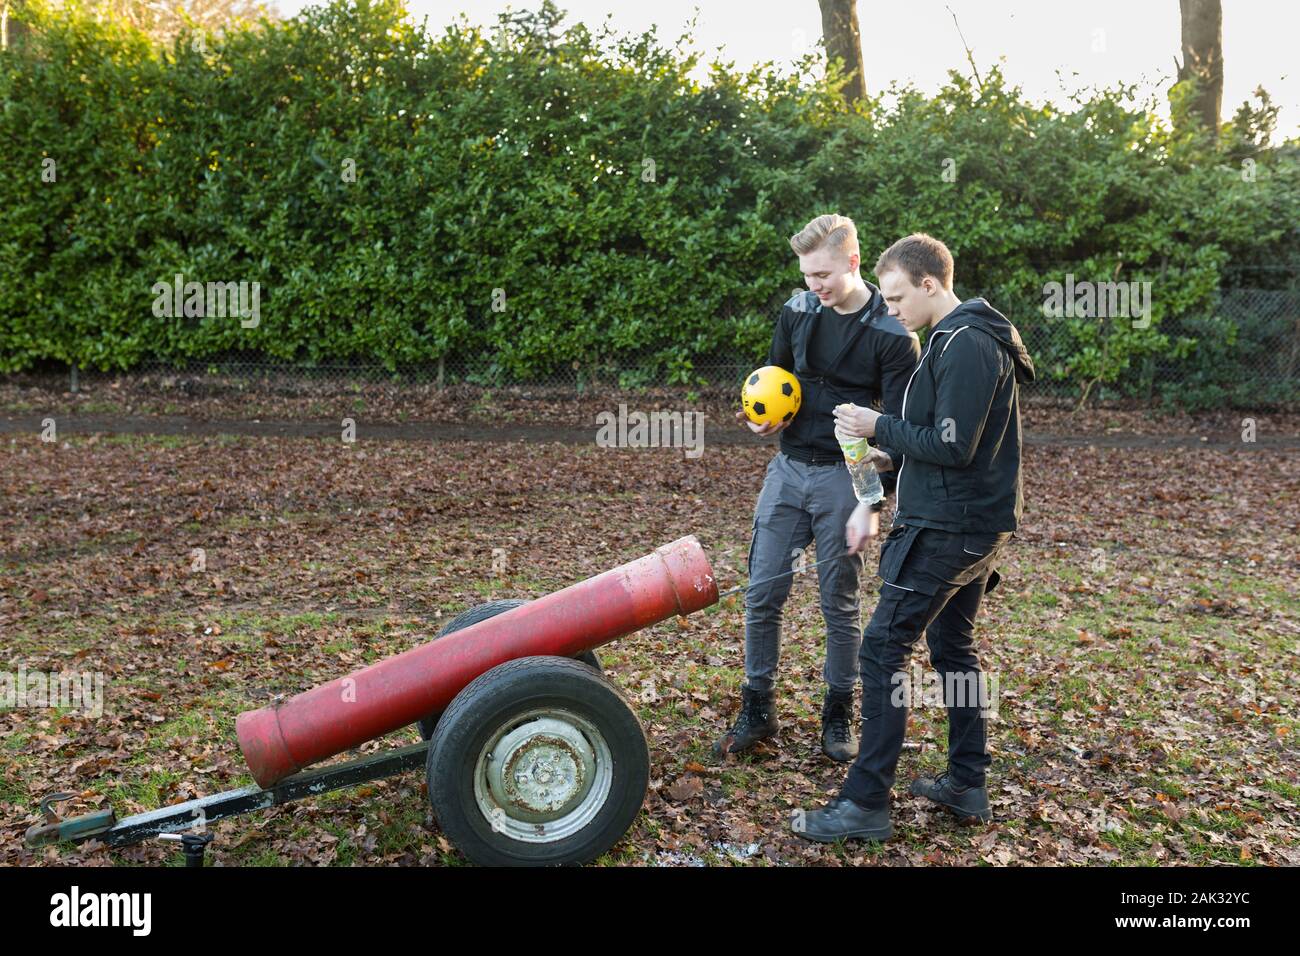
933,583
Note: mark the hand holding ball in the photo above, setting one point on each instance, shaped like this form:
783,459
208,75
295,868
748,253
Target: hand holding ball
770,396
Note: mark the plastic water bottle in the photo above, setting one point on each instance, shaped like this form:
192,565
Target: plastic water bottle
857,457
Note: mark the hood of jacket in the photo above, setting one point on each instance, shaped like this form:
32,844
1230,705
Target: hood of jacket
978,314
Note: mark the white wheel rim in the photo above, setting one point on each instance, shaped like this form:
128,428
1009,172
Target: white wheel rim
543,775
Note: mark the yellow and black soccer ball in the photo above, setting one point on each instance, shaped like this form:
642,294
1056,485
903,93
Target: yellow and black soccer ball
770,395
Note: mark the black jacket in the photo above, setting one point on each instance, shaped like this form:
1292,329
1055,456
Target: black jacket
873,366
959,431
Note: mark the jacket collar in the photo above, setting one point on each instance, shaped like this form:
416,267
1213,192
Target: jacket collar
951,322
875,303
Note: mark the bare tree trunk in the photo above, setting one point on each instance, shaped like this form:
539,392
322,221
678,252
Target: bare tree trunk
844,42
12,28
1202,22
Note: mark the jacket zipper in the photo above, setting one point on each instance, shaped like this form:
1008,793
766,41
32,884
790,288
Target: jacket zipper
898,498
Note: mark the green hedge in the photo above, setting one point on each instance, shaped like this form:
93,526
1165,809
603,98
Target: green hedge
519,161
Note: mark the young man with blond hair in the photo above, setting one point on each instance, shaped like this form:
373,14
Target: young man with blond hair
956,443
841,344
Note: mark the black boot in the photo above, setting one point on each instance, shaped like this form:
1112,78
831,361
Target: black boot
842,819
965,802
756,722
838,740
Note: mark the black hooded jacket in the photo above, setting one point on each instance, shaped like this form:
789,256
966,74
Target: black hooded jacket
871,360
959,430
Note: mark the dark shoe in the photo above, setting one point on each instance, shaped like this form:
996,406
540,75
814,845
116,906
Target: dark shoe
965,802
757,721
842,819
838,740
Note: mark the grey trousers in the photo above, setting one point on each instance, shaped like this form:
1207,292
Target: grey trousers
800,503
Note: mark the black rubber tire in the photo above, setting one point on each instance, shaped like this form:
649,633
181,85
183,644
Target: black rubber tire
481,612
488,703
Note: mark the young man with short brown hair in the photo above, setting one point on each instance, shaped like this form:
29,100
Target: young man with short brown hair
957,443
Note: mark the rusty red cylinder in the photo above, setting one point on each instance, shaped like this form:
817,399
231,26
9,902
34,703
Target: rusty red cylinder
281,740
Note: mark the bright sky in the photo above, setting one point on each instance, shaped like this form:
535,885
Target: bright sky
1095,42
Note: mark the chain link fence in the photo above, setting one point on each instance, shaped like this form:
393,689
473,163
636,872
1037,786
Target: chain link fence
1243,349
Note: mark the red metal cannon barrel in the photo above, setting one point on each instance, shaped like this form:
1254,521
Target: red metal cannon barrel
281,740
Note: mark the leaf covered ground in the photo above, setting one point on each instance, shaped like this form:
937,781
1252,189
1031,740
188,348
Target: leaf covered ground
1145,640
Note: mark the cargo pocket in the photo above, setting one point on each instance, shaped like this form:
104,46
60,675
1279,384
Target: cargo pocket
887,548
893,556
749,562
